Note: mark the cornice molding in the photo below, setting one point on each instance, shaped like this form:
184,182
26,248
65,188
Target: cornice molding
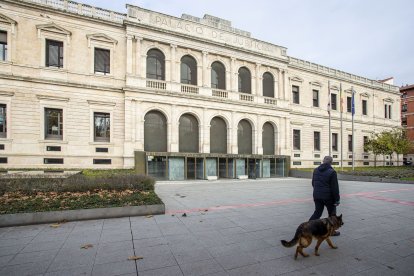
100,37
92,102
6,94
296,79
315,83
52,98
53,28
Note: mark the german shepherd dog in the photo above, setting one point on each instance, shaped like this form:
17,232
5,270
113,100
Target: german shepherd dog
319,229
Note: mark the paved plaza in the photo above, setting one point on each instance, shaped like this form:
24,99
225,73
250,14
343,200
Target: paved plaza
229,228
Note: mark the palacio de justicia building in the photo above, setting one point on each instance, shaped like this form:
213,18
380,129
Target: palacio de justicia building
175,98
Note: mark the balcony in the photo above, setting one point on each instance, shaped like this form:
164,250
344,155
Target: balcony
178,89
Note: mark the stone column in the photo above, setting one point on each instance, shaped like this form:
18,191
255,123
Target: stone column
258,137
129,55
280,94
173,130
233,134
173,69
206,132
285,85
258,92
139,70
233,75
205,70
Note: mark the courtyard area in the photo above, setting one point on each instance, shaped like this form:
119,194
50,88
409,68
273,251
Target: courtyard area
226,227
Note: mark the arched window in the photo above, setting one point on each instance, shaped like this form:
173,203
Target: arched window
155,132
188,133
268,139
244,137
245,80
155,65
188,70
268,85
218,135
218,75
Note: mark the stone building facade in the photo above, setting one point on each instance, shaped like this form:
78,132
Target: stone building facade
87,87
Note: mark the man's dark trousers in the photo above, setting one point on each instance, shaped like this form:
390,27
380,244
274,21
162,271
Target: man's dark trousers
319,205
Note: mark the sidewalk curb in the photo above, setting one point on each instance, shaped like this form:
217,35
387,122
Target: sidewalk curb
81,214
350,177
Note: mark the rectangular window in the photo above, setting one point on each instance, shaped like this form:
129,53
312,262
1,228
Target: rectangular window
366,163
3,45
53,160
296,155
316,141
315,98
333,102
365,143
102,61
102,161
334,141
364,107
386,111
297,163
389,111
317,163
53,148
101,149
350,143
53,123
349,104
102,127
54,53
1,146
3,121
296,139
3,160
404,121
295,94
404,108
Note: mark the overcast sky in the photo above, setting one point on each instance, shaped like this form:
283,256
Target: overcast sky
370,38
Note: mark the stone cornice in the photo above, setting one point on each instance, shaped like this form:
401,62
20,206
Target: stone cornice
344,79
52,98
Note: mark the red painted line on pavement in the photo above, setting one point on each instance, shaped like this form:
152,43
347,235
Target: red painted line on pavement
279,202
402,202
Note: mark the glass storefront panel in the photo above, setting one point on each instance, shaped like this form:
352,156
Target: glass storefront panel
230,168
240,167
176,168
280,167
211,167
157,166
200,168
266,168
273,167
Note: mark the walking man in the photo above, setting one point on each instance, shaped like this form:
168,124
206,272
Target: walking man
325,190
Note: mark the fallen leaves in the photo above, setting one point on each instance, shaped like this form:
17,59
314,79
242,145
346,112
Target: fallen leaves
55,225
184,215
149,216
134,258
87,246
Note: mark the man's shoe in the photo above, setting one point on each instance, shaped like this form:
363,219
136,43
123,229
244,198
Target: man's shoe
336,233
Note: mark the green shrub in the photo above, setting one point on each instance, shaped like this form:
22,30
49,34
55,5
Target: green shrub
77,183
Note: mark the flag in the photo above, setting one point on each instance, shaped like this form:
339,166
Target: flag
353,102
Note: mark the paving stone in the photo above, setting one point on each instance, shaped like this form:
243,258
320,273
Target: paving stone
34,257
235,260
165,271
118,268
156,261
81,270
201,268
24,269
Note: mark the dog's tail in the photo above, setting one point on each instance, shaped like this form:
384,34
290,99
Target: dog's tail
294,240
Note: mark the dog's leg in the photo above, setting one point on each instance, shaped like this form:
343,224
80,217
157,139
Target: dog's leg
297,252
328,240
302,253
317,246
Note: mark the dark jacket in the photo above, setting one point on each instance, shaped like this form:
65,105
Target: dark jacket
325,183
